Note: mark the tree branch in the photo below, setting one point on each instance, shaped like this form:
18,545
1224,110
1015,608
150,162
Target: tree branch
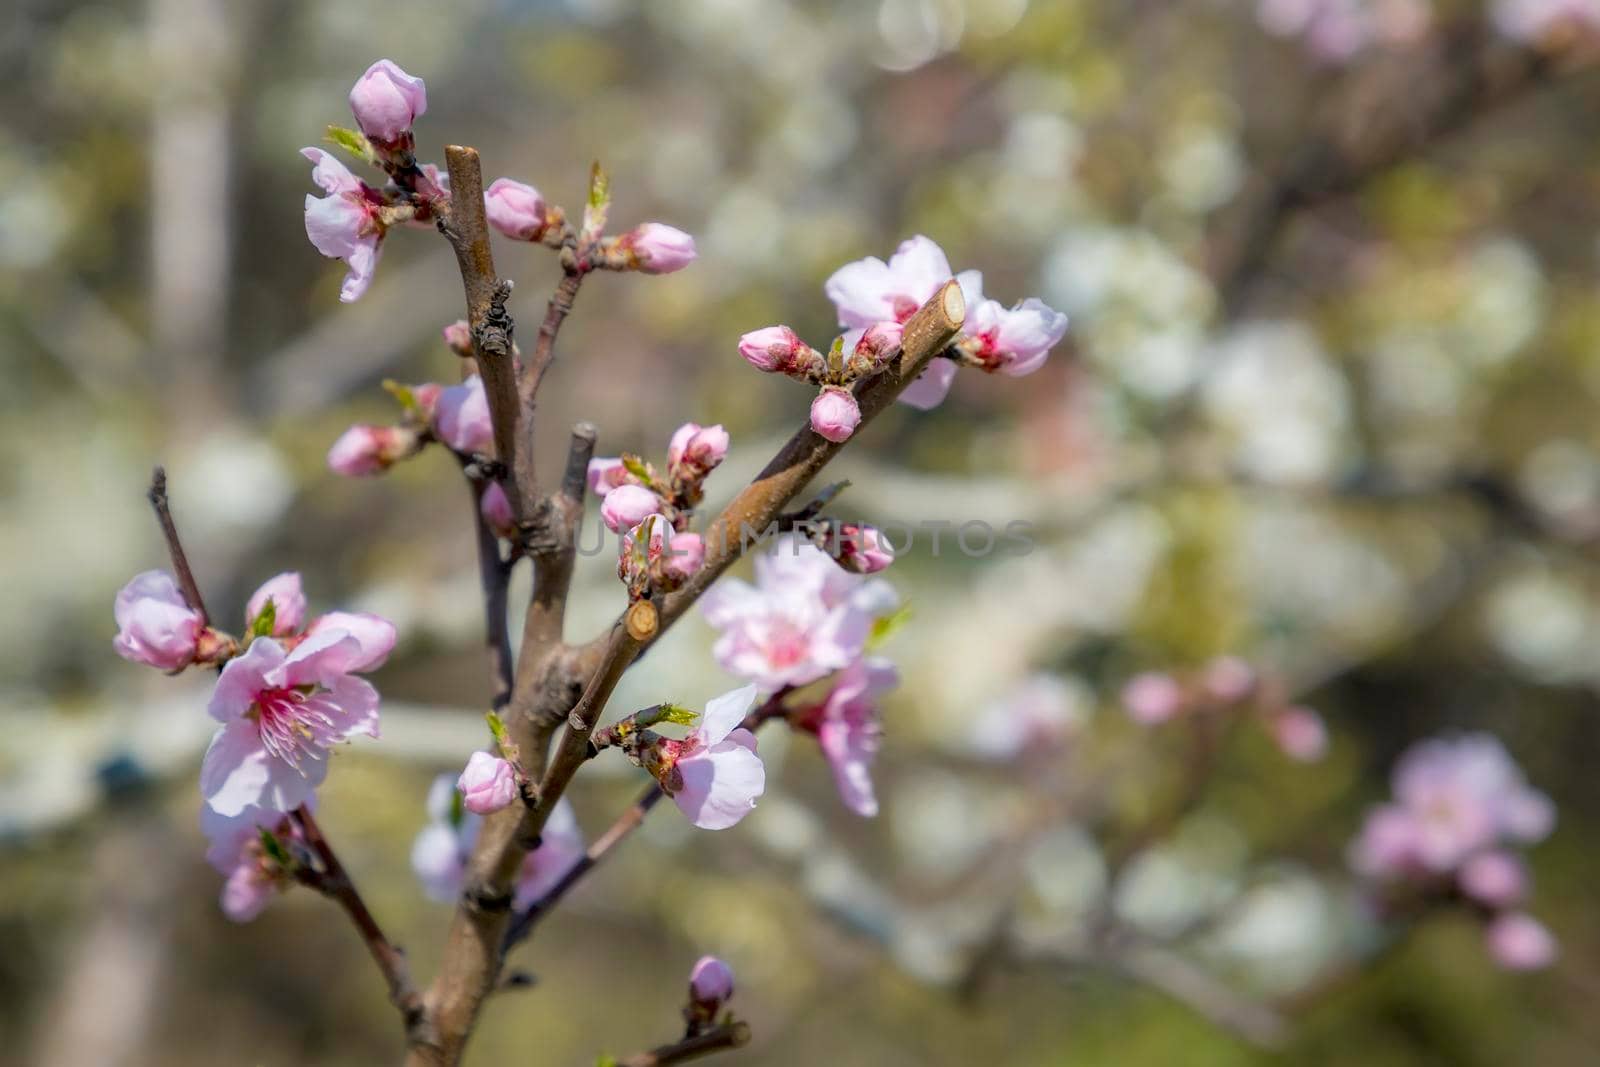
472,958
169,530
717,1039
466,227
333,882
494,575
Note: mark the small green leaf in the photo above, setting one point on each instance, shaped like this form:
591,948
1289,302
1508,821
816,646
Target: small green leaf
637,467
262,625
594,212
884,628
404,394
351,141
605,1060
275,850
458,809
675,714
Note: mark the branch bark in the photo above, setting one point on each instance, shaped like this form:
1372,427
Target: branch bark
717,1039
169,530
494,574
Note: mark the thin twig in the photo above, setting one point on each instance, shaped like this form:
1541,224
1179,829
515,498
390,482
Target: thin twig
334,882
169,530
494,575
718,1039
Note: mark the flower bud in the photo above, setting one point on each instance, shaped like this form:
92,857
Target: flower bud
1495,879
496,510
1152,698
386,100
637,563
1300,734
686,553
710,983
777,350
155,625
363,450
658,249
487,784
695,450
1519,942
516,210
627,506
288,604
462,418
835,414
861,549
873,349
1228,679
458,335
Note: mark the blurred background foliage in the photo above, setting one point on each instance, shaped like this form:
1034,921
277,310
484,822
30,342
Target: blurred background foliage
1360,448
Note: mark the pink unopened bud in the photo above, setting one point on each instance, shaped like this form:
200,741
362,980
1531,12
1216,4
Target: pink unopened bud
496,510
1152,698
487,784
881,340
775,349
363,450
835,414
694,450
606,474
458,335
1519,942
1300,734
462,418
686,553
516,210
155,625
1228,679
288,603
386,100
710,982
658,248
1496,879
862,549
627,506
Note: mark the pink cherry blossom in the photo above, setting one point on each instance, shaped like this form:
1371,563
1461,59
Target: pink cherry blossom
496,510
847,728
1496,879
714,774
777,350
282,710
835,414
363,450
1300,733
803,619
1039,714
439,853
1519,942
1388,846
386,101
1466,793
461,418
487,784
627,506
1016,340
236,851
696,450
870,290
658,248
516,210
1152,698
288,603
344,224
710,983
155,625
606,474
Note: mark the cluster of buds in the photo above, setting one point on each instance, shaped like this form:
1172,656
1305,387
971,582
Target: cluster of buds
651,510
1460,813
1227,683
834,413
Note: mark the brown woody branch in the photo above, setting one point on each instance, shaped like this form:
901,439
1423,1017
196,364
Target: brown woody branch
169,530
718,1039
548,674
333,882
494,575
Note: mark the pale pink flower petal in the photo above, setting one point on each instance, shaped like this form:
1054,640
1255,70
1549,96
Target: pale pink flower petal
363,450
288,603
661,249
1496,879
931,386
627,506
686,554
720,783
1152,698
724,713
375,637
461,419
710,982
607,474
1301,734
560,848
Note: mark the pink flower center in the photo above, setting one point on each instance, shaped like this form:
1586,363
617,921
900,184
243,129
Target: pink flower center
904,308
788,646
295,724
